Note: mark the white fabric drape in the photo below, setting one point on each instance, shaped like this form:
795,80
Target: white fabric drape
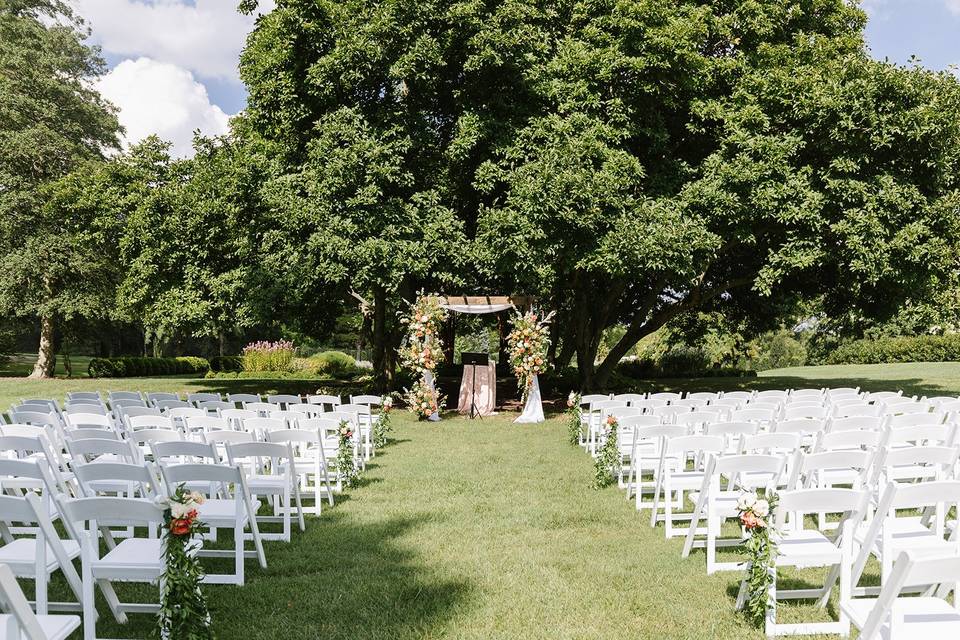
477,308
533,409
428,380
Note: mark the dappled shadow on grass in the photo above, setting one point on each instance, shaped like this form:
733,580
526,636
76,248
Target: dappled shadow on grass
342,578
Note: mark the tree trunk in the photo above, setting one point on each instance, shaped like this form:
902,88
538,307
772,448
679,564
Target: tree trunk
221,343
381,363
46,358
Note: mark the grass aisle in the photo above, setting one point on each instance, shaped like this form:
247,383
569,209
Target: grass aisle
479,530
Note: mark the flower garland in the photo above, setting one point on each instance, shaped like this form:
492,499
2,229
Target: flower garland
761,545
183,608
382,428
347,469
423,349
606,468
574,419
422,401
528,342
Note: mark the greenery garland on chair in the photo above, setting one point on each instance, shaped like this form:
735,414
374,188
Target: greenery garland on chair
574,418
761,546
382,428
606,467
347,469
183,607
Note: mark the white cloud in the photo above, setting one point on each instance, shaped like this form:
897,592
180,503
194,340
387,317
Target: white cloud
953,6
161,98
205,37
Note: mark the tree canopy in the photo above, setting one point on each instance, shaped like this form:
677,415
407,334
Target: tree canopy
628,162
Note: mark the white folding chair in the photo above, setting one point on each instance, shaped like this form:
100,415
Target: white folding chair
725,479
896,526
236,510
131,560
312,464
806,548
21,622
270,472
894,617
674,481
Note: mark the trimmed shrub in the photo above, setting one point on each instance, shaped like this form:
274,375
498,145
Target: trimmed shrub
678,362
900,349
226,363
777,350
146,367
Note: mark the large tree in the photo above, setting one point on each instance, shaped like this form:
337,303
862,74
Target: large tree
625,160
53,264
193,245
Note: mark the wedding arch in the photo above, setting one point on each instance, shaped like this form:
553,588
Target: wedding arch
478,383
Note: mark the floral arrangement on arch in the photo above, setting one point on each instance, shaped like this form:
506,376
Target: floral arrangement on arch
754,509
183,607
422,401
574,418
423,348
606,466
528,341
348,471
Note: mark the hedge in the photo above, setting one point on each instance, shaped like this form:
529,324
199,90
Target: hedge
902,349
226,363
145,367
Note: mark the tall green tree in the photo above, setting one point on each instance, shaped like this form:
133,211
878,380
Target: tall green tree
192,247
54,263
627,161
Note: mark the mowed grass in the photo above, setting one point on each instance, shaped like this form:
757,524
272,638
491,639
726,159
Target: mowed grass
476,530
482,529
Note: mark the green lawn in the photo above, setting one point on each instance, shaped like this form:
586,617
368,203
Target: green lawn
480,530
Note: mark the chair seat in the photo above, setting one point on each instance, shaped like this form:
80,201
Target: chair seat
221,513
807,548
266,483
137,559
686,480
21,556
907,531
55,627
924,617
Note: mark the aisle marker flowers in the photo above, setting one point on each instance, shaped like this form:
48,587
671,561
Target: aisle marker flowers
606,467
574,418
183,607
348,471
755,509
382,428
528,342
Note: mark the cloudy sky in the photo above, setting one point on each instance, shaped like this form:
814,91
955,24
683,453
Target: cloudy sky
173,63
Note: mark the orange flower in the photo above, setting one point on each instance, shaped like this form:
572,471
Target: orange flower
749,520
181,527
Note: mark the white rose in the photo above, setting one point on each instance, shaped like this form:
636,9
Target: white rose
746,501
761,508
178,510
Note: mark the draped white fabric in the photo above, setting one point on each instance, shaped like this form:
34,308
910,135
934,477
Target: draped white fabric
428,380
533,409
477,308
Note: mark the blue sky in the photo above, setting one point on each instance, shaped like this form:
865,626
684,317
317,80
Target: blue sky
174,62
928,29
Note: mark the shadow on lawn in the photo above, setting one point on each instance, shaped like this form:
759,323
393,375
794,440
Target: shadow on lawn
339,579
